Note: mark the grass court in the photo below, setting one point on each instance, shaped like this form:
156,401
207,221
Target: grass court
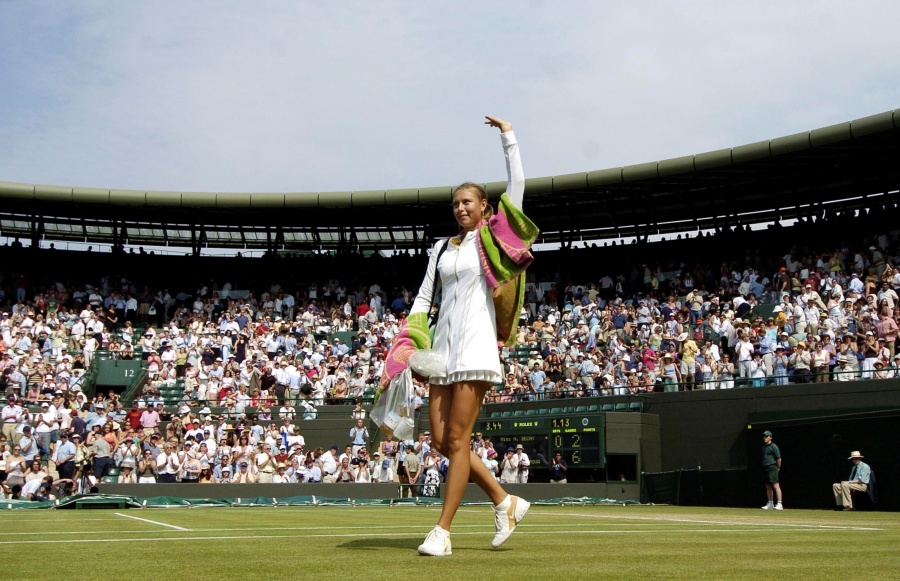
379,542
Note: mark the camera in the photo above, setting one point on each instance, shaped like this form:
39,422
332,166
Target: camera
356,461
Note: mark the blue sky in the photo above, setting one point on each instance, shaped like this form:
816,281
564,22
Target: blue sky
352,95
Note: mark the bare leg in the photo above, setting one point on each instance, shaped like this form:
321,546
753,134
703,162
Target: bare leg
452,411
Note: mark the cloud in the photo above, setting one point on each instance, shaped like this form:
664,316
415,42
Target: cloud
304,96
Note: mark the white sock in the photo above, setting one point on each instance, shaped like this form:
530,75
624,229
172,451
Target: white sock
504,504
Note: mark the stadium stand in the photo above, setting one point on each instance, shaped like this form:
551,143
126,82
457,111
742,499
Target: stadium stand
234,346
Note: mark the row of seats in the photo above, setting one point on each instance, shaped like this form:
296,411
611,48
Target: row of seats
581,409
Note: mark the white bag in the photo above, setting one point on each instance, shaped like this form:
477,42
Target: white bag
394,412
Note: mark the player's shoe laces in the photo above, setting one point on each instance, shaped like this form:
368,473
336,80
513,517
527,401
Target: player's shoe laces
437,543
507,515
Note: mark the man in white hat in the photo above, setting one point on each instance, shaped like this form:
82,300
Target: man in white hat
859,478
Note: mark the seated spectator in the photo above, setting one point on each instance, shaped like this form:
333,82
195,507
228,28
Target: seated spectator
858,480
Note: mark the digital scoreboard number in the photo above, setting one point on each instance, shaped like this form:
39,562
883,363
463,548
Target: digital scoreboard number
579,438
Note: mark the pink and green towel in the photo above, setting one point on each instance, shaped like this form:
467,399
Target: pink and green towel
503,245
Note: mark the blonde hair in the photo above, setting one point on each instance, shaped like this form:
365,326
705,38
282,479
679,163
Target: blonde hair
482,195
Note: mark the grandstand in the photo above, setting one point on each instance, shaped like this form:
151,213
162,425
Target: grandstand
806,200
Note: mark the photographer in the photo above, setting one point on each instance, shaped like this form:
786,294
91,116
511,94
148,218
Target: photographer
509,467
558,469
523,462
363,473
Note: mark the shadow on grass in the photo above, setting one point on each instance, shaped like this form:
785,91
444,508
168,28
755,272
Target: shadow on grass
404,544
382,543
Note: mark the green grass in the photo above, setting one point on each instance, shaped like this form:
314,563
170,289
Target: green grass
554,542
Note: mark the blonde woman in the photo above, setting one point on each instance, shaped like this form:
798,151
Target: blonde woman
470,325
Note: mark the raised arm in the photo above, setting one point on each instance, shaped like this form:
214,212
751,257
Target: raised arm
515,176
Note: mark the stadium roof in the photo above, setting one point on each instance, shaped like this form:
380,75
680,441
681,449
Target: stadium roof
844,167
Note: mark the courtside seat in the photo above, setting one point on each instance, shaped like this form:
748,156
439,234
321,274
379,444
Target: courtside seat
531,412
518,413
506,414
556,411
607,407
621,407
580,409
543,412
636,406
593,408
570,410
495,414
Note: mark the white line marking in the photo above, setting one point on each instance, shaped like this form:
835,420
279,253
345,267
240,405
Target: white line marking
250,529
153,522
357,535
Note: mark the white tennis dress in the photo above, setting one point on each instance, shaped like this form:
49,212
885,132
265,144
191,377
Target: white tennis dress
466,333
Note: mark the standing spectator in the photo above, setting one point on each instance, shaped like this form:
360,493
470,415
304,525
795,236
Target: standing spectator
12,415
147,468
101,456
757,370
887,329
167,464
744,352
412,467
509,467
359,434
689,352
244,476
64,458
558,469
522,463
771,463
801,362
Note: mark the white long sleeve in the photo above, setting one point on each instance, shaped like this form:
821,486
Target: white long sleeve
515,175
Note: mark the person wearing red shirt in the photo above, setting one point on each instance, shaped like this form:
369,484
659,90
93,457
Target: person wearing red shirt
134,416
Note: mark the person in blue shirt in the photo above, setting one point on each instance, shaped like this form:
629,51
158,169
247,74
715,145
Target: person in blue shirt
860,475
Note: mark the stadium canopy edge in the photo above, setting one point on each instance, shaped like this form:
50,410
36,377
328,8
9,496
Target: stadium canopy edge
873,125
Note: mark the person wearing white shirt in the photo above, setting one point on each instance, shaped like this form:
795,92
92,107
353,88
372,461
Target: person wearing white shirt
11,415
167,464
522,463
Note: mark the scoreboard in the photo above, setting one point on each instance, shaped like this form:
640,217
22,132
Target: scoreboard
579,438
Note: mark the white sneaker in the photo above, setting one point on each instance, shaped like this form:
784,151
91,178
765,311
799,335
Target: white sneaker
507,517
437,543
768,506
779,507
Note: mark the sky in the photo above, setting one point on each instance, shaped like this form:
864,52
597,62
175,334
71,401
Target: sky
226,96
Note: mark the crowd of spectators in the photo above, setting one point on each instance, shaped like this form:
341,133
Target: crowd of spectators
813,316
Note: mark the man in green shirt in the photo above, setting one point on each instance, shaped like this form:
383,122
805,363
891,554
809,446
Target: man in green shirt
771,463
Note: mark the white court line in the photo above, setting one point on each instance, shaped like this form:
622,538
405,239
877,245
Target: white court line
251,529
153,522
181,539
700,521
